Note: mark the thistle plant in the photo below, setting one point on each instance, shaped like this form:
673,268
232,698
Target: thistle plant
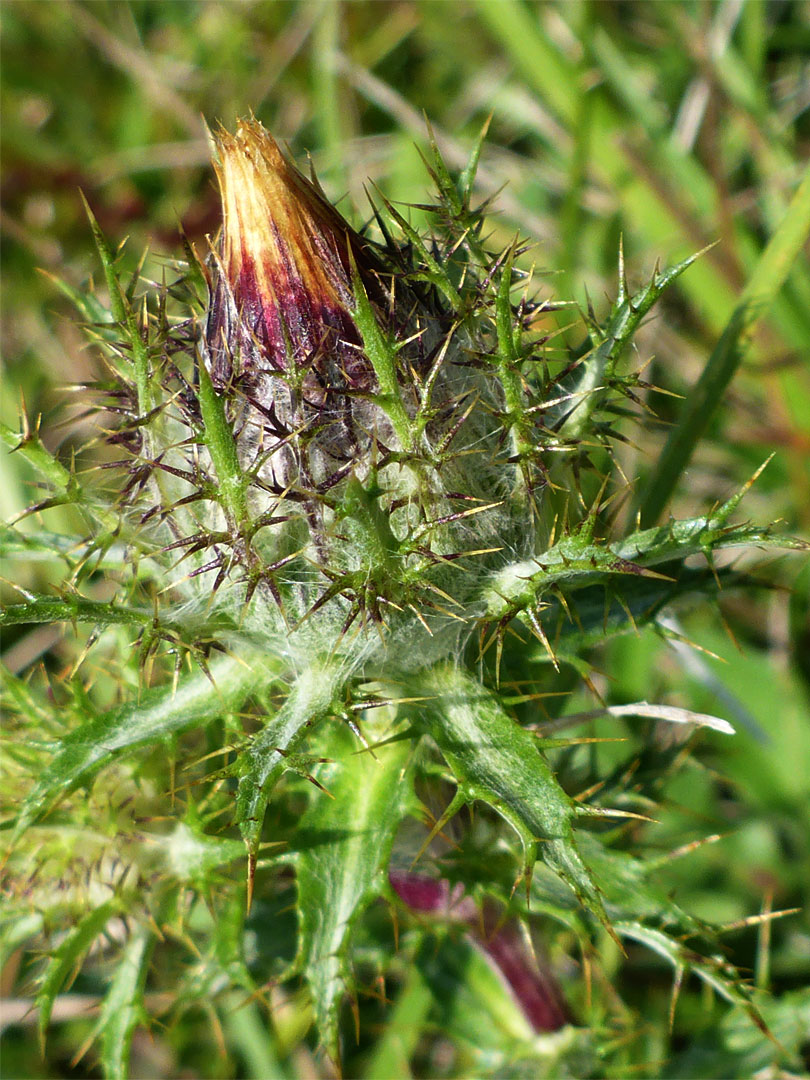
352,535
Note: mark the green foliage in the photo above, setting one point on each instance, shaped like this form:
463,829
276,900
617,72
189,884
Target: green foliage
495,761
762,288
341,868
240,716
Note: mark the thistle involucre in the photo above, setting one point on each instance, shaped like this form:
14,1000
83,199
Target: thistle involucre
356,402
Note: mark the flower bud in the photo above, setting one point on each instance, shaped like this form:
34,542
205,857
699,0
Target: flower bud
279,333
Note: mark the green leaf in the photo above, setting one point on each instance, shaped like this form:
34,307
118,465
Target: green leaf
108,263
88,305
25,701
62,481
45,609
633,887
219,438
574,562
123,313
381,351
122,1009
41,545
346,842
599,365
29,444
197,700
75,609
496,761
449,192
598,612
467,177
714,971
15,931
264,760
68,956
434,273
508,359
787,1017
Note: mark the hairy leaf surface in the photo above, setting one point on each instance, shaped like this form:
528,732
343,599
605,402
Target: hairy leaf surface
496,761
197,700
345,844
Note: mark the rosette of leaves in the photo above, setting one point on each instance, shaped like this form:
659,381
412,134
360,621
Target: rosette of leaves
349,522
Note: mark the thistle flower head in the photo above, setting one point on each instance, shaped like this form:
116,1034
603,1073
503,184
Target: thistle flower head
279,326
362,499
285,263
353,381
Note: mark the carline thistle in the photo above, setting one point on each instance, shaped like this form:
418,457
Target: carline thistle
362,403
374,512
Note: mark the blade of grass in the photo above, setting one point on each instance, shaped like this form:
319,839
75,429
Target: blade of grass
407,1019
766,280
652,202
664,193
326,92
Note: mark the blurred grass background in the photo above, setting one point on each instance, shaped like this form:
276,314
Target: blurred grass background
670,125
